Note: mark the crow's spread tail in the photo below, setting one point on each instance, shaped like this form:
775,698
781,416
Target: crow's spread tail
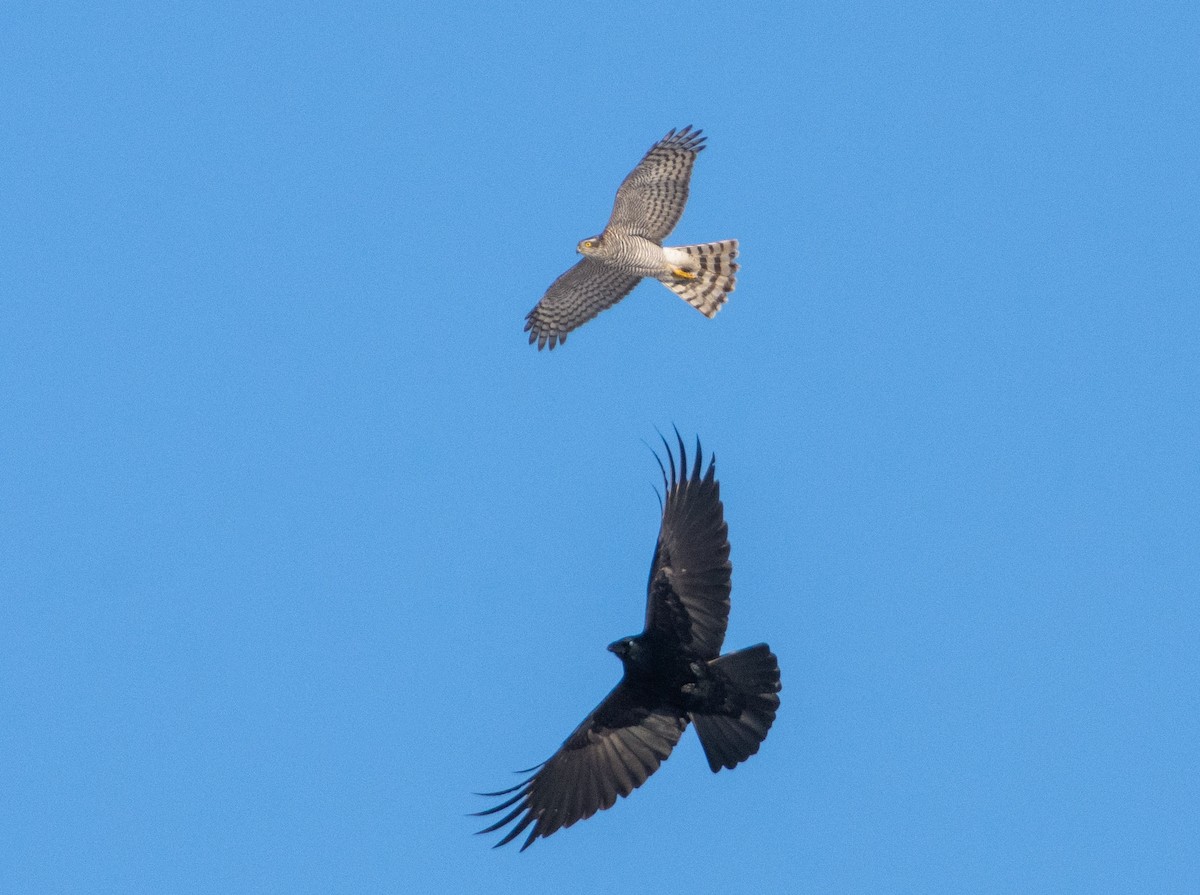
752,674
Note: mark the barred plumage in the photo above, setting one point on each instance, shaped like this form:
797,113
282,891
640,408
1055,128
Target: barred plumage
715,269
578,295
631,254
649,204
650,200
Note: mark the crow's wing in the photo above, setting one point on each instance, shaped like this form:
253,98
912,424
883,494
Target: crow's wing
610,754
687,598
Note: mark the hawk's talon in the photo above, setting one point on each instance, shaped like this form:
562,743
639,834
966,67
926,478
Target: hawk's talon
683,274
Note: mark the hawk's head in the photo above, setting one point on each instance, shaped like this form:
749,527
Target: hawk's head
589,246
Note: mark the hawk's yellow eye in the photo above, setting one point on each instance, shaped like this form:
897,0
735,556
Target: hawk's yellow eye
587,243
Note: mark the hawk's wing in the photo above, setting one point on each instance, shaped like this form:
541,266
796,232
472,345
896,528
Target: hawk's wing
610,754
688,593
575,298
651,199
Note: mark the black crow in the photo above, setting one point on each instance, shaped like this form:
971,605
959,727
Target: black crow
674,673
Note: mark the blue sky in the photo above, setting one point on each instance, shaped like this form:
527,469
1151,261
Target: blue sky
301,543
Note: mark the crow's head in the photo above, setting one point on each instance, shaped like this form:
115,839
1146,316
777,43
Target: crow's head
621,647
630,651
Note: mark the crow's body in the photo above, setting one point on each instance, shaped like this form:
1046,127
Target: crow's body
661,673
674,674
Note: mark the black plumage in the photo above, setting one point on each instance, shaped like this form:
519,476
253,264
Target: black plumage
673,674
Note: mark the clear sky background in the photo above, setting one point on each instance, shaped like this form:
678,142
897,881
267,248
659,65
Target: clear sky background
301,544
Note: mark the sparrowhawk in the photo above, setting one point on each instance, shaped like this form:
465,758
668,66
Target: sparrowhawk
648,206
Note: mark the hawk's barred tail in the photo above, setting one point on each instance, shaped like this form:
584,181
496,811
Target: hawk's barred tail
714,269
